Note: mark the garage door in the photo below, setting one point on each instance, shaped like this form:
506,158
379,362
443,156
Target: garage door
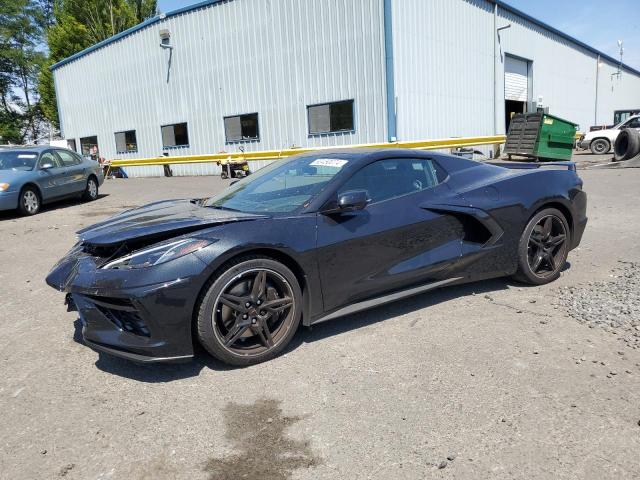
516,79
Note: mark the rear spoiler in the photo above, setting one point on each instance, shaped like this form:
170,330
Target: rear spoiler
571,166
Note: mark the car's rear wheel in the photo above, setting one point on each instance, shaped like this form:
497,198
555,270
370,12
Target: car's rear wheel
250,312
29,202
91,190
543,247
600,146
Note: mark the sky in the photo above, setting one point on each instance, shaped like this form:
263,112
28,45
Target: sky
599,23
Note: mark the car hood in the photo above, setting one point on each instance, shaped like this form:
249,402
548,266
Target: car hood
158,220
609,133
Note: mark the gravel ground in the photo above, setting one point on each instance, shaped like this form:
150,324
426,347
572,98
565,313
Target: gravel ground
612,305
489,380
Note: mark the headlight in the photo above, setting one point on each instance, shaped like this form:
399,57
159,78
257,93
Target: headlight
4,187
158,254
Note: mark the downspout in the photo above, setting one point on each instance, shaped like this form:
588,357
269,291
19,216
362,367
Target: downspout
389,73
595,115
495,75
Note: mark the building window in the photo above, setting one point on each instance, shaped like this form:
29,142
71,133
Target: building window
71,144
175,136
89,146
330,117
240,128
126,142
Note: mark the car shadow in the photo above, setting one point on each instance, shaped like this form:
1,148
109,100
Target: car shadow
365,318
49,207
152,372
156,373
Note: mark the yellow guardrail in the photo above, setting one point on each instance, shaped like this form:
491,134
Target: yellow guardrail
277,154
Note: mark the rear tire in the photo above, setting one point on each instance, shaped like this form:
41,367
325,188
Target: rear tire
29,201
600,146
543,247
91,190
250,312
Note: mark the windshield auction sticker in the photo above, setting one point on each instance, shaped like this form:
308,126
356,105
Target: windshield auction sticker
328,162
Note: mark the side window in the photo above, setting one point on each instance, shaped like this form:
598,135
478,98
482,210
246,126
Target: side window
126,142
331,117
175,136
49,158
634,123
240,128
68,160
393,178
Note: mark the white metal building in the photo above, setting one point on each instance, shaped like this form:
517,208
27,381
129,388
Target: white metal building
225,75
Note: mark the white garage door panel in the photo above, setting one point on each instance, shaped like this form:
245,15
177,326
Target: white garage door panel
516,79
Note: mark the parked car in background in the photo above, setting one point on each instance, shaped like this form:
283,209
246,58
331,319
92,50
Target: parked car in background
602,141
33,175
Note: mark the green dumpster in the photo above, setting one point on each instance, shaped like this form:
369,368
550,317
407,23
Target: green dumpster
540,136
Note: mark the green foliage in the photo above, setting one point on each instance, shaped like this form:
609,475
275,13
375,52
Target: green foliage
21,57
78,25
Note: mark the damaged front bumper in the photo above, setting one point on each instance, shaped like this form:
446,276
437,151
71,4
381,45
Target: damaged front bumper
143,316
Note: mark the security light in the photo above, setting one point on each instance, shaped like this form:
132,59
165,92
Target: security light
165,38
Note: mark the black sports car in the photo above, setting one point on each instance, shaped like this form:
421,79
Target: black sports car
310,238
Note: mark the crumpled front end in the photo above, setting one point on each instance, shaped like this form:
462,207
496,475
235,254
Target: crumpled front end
144,315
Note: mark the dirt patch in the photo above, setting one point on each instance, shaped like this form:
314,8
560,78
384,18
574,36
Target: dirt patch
264,452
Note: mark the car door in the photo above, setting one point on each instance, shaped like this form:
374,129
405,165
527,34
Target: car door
51,175
75,177
394,242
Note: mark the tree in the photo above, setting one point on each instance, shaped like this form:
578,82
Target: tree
80,24
21,57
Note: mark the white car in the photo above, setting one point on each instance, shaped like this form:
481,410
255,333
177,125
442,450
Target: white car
602,141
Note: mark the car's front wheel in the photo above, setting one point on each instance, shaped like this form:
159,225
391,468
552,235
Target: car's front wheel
29,202
543,248
600,146
250,312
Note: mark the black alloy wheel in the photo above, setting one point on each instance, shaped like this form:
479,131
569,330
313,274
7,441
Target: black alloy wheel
250,312
543,247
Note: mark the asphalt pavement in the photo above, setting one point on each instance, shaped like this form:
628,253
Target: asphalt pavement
489,380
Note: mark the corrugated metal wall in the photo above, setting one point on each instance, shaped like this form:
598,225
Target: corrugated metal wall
615,92
444,70
273,57
563,73
443,59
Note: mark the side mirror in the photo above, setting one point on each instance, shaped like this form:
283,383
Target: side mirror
349,201
46,166
233,182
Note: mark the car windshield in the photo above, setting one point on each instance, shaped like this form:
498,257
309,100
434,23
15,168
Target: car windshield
18,160
281,187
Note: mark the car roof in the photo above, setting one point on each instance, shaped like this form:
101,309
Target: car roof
31,148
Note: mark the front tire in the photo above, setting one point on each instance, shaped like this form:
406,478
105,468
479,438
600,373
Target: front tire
250,312
600,146
29,201
543,248
91,190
